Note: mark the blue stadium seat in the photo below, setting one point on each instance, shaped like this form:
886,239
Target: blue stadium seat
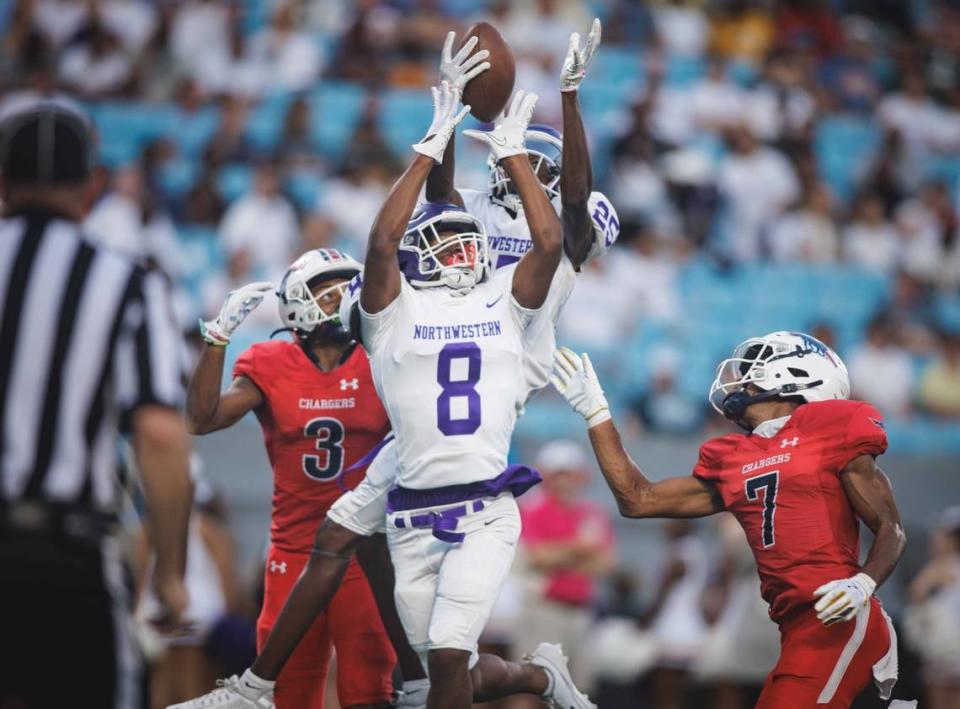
194,130
177,177
404,116
844,146
305,187
335,110
617,67
234,180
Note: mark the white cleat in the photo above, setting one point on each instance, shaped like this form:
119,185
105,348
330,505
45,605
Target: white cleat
232,693
564,693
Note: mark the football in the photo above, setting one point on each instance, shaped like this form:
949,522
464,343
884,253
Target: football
489,92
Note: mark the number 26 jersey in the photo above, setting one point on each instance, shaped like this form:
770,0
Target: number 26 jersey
787,494
449,369
315,425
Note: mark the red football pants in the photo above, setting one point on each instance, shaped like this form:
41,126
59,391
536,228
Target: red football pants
825,666
351,624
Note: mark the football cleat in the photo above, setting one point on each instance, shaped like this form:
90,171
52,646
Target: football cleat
232,693
563,694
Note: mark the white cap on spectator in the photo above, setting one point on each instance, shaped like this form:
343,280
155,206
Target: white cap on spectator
561,454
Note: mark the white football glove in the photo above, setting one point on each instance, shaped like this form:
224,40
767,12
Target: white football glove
842,599
508,135
573,376
459,69
235,309
575,65
445,120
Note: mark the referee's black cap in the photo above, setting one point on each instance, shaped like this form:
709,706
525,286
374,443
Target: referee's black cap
46,142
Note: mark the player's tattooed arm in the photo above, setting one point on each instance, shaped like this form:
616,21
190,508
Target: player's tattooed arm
576,183
869,492
207,408
381,271
636,495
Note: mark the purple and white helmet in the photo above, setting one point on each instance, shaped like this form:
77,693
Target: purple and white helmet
781,364
299,307
443,246
544,147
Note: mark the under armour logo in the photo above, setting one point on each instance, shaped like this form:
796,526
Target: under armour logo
789,442
281,567
349,384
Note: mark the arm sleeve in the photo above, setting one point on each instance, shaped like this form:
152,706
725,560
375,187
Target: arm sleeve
606,225
865,433
148,363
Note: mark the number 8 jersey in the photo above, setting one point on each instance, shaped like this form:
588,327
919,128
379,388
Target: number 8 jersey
315,425
449,369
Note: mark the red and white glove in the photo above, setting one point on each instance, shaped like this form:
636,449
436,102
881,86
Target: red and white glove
575,64
235,309
842,599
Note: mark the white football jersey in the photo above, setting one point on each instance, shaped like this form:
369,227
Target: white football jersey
449,370
508,236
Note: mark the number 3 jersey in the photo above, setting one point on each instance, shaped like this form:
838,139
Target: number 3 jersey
449,369
787,495
315,425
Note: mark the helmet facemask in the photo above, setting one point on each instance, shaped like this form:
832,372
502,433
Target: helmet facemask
544,150
309,307
449,249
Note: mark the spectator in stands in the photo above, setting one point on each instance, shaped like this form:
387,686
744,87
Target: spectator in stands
869,240
663,409
367,43
925,224
911,313
230,142
638,187
933,616
128,220
780,108
200,35
717,104
239,272
681,27
350,201
911,112
807,25
97,65
632,23
940,382
758,183
579,323
881,372
569,543
230,70
675,616
807,234
296,147
646,272
264,224
851,78
826,333
203,204
741,30
285,57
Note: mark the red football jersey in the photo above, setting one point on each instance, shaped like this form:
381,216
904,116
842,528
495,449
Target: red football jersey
315,425
787,494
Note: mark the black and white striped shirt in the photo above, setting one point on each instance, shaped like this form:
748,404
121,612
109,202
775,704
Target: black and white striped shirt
86,337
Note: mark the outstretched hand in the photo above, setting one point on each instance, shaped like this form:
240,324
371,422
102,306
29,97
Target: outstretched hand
577,59
509,133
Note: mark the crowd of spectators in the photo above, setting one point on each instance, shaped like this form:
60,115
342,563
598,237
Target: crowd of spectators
739,132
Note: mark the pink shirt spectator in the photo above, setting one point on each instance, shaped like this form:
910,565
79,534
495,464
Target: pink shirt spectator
549,521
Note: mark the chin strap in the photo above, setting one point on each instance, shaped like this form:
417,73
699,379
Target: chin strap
735,404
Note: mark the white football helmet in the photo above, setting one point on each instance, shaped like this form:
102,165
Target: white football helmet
781,364
299,307
544,146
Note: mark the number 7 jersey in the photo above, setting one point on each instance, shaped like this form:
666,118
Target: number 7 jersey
449,369
315,425
787,494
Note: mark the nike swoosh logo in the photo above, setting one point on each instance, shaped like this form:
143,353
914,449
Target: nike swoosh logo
490,305
489,522
499,141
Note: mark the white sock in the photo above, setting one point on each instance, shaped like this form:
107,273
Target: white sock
251,680
413,685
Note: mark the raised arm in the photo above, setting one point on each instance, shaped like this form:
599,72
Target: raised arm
207,409
534,273
636,495
456,70
381,278
576,175
868,490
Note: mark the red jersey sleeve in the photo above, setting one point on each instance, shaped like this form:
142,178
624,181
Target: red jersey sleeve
865,433
707,467
249,365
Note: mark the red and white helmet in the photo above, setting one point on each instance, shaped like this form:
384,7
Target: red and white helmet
781,364
299,307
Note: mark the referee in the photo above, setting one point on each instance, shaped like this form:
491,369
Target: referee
88,347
